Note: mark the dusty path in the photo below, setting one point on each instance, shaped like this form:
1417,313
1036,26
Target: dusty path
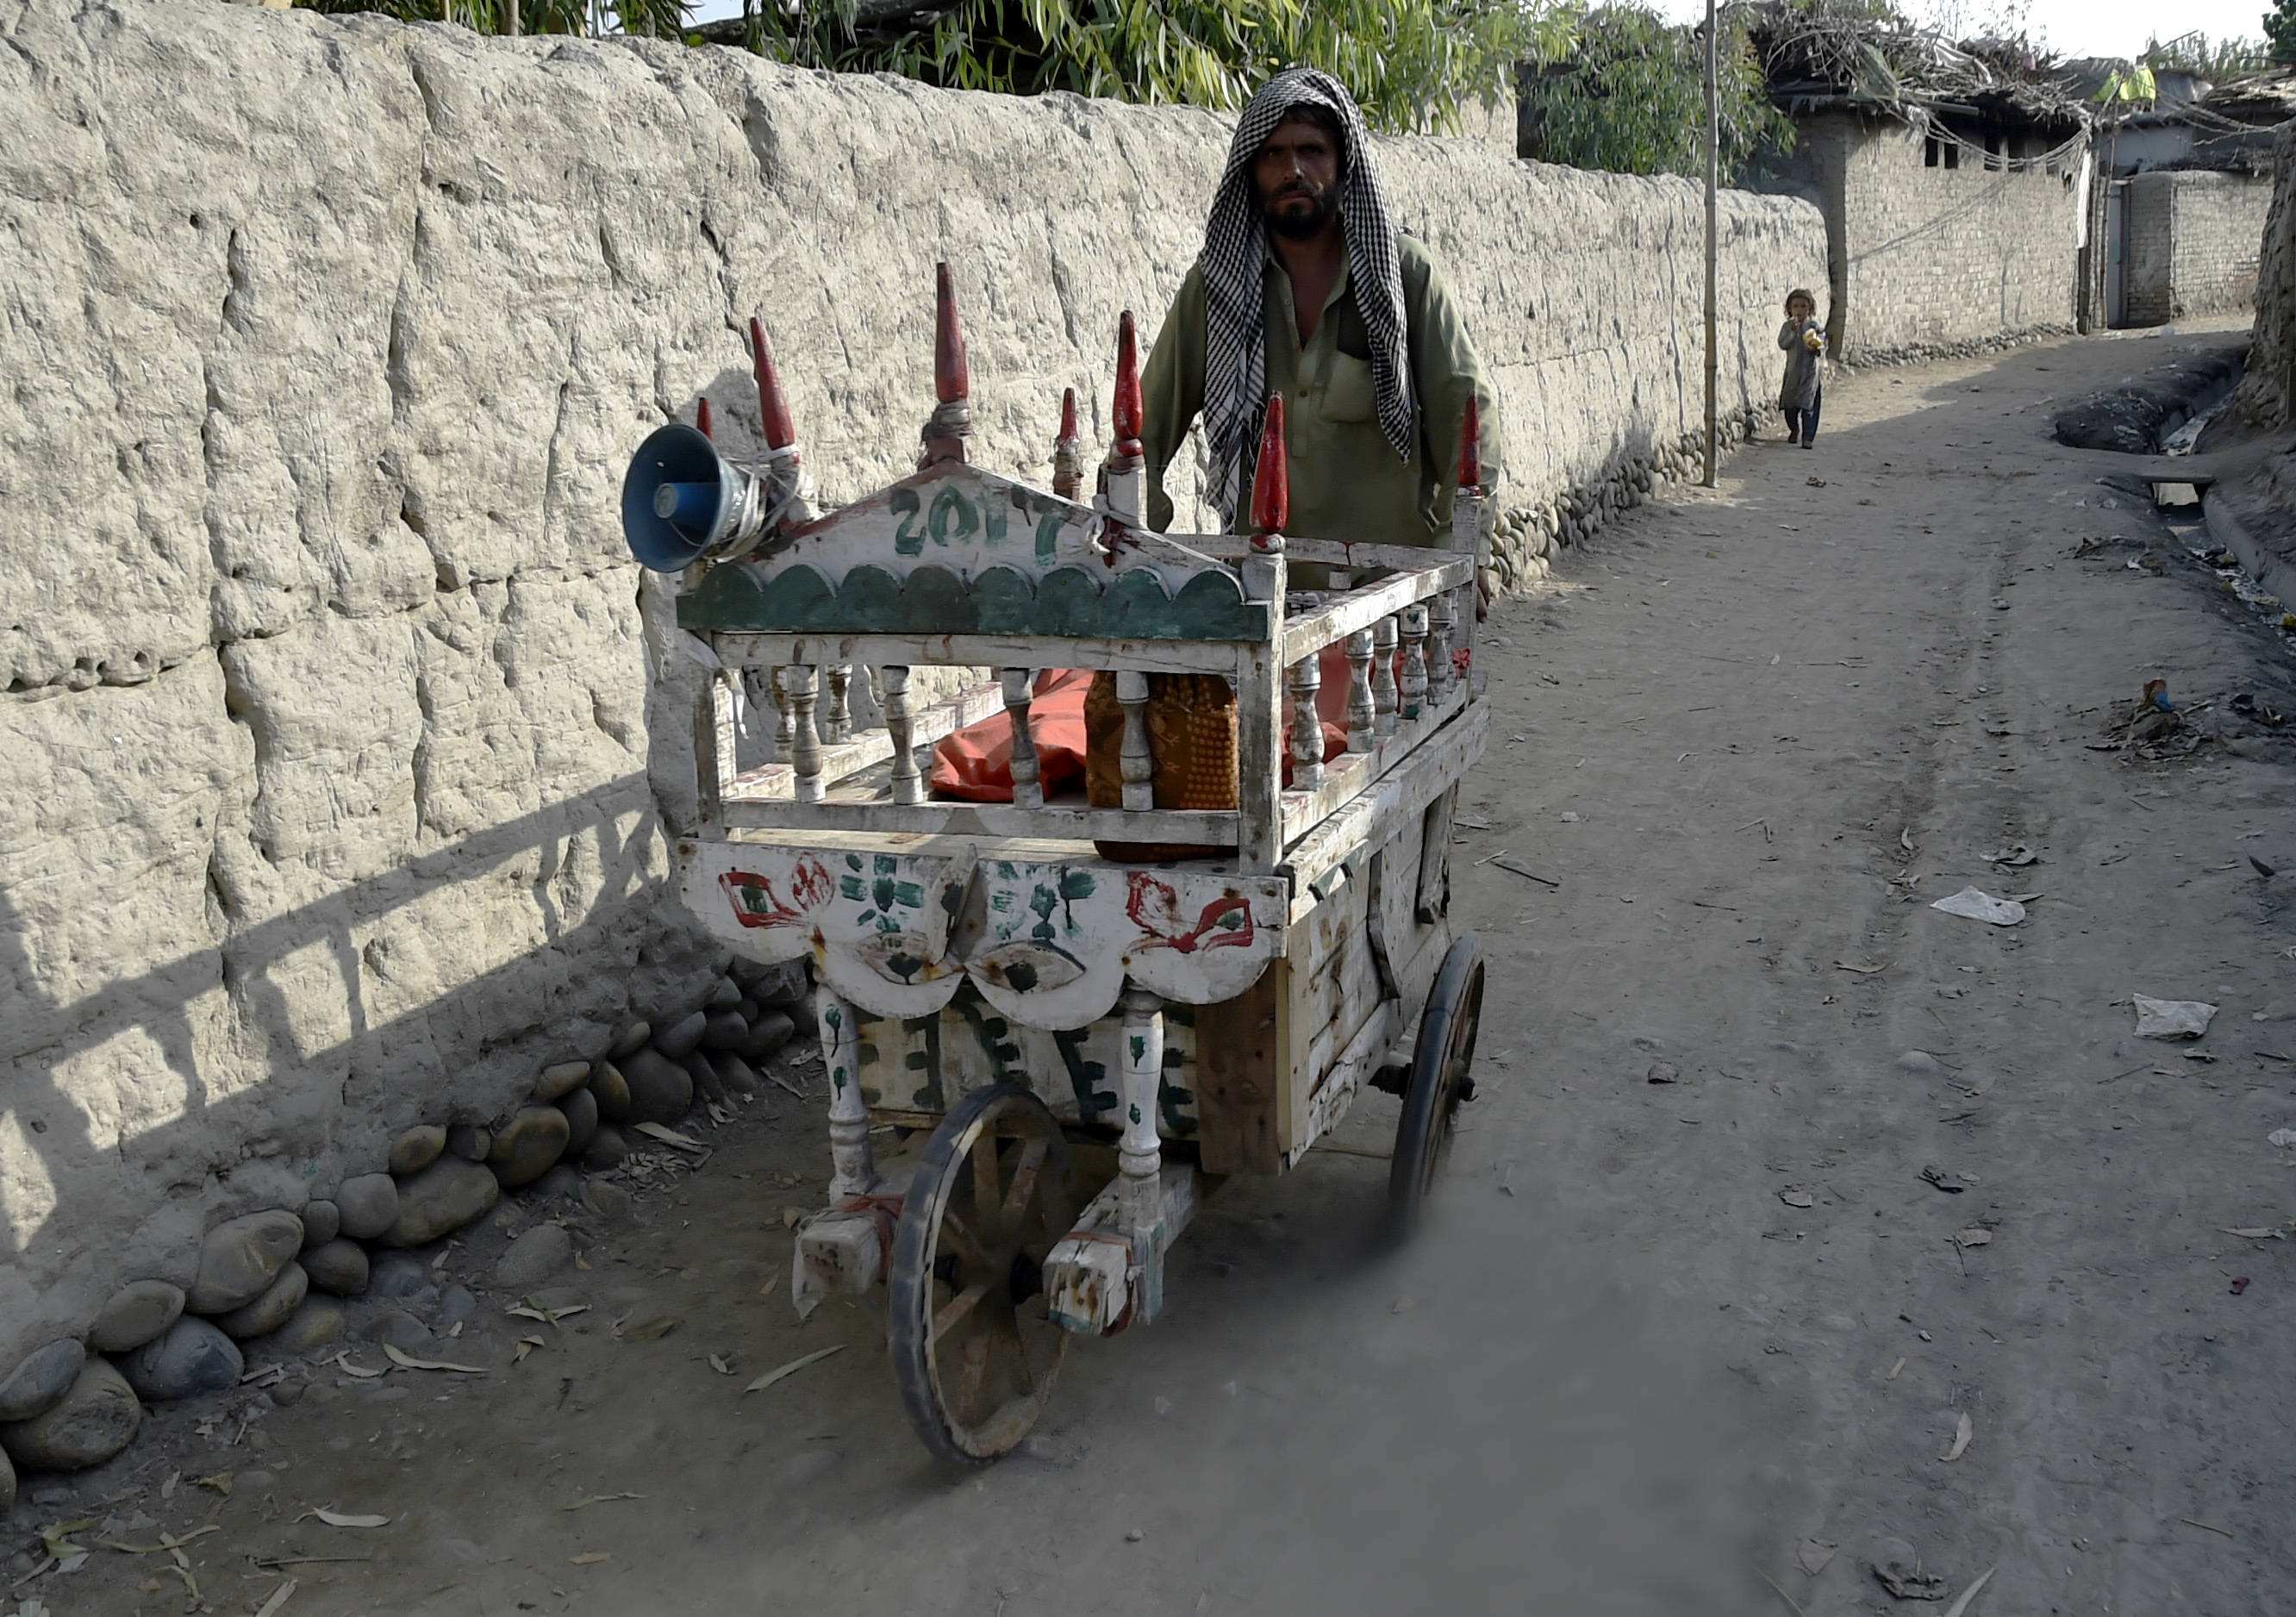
1657,1342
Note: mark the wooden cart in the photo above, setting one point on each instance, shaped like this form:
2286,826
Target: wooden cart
979,970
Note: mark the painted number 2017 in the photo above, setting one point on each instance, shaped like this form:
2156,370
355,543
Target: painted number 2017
952,519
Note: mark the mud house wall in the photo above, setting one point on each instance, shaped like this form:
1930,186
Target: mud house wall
2192,240
341,757
1924,258
2266,395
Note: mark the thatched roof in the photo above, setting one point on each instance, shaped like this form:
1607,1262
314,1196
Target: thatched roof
1815,57
2260,100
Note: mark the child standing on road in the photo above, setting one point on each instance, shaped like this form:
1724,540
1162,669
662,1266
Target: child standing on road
1804,341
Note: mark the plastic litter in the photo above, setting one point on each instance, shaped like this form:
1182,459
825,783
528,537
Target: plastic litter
1974,906
2172,1018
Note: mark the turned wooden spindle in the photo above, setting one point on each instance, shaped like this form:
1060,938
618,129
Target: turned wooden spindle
1304,679
900,728
1139,1153
1382,677
1137,764
1067,457
788,493
1262,569
805,744
1125,475
774,423
1271,474
951,422
852,1170
785,719
1363,717
837,724
1467,537
1438,647
1028,788
1413,684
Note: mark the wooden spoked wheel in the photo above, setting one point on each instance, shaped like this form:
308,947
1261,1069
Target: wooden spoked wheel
1438,1083
972,1349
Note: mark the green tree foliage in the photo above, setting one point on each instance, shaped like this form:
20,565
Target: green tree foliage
1631,98
2217,61
2280,31
660,19
1414,65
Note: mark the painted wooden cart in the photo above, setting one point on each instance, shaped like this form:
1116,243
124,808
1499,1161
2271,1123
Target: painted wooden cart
1094,1044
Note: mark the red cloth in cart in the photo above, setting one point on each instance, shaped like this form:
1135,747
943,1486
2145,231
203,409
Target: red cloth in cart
976,763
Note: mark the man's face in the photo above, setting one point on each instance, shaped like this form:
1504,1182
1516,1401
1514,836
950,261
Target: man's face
1297,174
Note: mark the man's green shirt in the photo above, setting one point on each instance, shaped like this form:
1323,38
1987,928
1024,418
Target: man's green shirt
1347,480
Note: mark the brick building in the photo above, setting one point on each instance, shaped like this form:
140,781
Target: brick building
1944,227
2181,216
2188,244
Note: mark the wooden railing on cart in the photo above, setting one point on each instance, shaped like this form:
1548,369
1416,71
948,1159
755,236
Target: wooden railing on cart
1400,631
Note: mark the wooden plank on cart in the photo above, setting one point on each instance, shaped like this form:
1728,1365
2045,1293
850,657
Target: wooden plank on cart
1311,632
956,549
1374,815
923,648
1238,1074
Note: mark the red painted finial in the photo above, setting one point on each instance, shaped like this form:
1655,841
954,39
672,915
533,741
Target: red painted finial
1068,469
1128,416
702,419
952,376
1271,480
773,409
1471,445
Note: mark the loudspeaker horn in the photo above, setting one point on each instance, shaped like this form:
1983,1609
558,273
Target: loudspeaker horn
682,501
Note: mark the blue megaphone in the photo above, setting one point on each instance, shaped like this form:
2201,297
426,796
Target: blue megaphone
682,502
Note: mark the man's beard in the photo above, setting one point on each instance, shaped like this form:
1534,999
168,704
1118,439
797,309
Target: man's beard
1299,227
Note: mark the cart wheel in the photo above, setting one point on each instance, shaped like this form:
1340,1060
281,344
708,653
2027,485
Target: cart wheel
1439,1081
972,1350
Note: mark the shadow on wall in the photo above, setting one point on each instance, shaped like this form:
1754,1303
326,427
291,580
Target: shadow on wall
115,1175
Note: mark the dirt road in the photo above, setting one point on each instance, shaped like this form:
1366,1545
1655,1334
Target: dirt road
1693,1308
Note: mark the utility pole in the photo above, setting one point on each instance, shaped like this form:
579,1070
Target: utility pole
1713,184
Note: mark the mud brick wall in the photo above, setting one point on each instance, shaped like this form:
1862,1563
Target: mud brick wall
1924,258
2192,242
343,760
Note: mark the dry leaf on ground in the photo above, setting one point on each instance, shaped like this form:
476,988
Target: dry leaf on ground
1970,1593
791,1368
408,1361
1963,1429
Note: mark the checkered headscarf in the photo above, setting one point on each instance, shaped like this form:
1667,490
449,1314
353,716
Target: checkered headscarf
1236,355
